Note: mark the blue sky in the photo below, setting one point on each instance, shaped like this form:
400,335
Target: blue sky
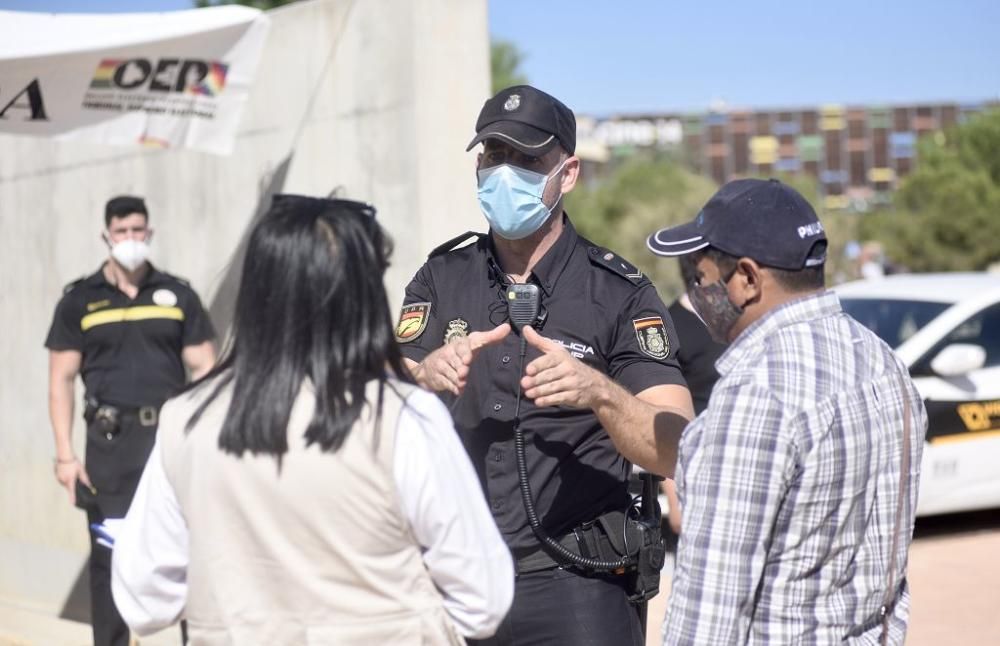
606,57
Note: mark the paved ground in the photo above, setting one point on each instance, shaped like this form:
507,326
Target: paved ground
954,579
21,626
954,576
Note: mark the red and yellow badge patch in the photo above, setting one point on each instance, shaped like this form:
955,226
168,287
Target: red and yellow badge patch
412,321
652,336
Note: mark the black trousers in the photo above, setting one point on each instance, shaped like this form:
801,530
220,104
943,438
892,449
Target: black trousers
115,465
108,626
562,607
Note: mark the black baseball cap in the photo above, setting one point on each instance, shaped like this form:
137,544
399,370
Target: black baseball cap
754,218
528,119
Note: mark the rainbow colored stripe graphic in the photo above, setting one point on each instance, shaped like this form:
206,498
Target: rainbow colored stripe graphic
213,83
103,75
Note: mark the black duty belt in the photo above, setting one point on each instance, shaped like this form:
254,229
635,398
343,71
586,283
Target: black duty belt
537,559
608,537
147,415
587,540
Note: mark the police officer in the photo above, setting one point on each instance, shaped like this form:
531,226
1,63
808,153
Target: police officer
600,381
130,330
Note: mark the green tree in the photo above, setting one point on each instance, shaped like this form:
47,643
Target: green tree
947,215
645,194
264,5
505,65
639,197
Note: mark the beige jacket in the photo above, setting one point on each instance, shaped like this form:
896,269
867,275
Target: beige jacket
316,552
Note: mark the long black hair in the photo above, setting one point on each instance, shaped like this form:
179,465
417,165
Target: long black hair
311,304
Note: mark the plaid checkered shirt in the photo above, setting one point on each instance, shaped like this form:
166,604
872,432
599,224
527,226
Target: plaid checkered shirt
789,483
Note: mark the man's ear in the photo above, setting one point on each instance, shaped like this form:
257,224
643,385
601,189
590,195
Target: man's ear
570,173
747,281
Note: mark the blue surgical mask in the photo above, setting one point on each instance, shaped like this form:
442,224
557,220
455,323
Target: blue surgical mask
511,199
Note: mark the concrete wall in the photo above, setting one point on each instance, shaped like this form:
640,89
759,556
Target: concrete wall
376,98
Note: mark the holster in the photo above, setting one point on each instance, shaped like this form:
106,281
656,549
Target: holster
608,538
644,581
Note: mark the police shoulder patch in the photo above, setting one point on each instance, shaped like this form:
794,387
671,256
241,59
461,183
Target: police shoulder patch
412,321
652,336
616,264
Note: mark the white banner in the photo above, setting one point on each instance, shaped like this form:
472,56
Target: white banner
167,80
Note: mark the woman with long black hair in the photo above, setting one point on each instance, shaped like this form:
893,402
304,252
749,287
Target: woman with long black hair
304,491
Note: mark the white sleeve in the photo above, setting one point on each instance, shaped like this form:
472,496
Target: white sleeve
443,501
150,557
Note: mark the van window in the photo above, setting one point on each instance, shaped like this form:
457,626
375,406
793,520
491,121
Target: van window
893,320
982,329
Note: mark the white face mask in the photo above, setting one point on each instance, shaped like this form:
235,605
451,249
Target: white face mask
130,253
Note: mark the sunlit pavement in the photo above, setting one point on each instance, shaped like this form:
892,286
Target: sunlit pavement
954,578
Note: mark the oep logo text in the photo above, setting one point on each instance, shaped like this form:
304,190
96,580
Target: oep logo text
190,76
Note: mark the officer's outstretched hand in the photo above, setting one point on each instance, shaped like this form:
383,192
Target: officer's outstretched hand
67,473
447,368
557,378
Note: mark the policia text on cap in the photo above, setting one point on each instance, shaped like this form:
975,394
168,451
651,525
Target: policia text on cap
601,387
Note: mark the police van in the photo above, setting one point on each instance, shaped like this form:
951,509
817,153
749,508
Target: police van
946,327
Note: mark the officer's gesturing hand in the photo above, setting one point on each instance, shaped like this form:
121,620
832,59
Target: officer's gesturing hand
557,378
447,368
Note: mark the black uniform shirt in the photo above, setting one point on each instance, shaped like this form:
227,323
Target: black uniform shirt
598,307
131,348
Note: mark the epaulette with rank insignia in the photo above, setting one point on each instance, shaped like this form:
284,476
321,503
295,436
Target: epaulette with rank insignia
453,243
615,264
71,286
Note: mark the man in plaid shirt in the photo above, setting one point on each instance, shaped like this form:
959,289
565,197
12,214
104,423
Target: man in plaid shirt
798,484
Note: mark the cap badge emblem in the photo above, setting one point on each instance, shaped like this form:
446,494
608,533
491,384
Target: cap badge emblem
513,103
457,329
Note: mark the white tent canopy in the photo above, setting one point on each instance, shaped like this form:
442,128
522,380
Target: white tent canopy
177,79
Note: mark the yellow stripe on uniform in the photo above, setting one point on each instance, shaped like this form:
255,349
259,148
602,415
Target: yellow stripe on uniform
142,313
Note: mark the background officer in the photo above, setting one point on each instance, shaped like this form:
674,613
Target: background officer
697,356
601,382
130,330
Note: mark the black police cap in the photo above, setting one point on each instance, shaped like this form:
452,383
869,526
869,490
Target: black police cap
528,119
753,218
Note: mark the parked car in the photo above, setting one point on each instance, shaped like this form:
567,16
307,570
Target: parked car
946,327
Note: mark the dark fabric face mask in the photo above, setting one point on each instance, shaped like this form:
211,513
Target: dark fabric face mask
714,307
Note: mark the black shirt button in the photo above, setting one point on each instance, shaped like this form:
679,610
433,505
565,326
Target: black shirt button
497,406
497,504
506,359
